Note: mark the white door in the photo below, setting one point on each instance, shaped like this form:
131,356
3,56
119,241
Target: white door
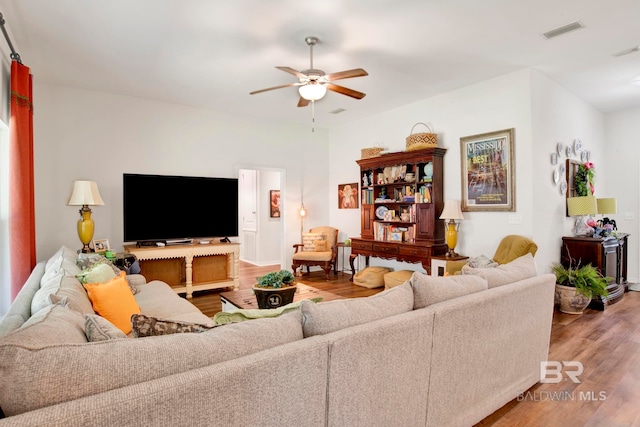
247,184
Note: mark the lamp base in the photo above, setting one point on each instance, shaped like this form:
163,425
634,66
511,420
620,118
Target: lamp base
451,253
85,229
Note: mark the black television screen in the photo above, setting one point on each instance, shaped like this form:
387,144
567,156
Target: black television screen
163,207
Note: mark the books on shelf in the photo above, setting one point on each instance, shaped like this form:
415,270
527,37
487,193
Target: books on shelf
393,233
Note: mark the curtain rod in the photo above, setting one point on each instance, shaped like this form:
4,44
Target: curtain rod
14,55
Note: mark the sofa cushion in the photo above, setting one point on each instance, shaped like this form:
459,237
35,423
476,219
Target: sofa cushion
429,290
32,374
114,301
62,285
313,256
514,271
330,316
149,326
97,328
371,277
52,325
64,259
152,299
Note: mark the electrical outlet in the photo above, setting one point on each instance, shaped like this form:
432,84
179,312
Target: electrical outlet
628,215
515,219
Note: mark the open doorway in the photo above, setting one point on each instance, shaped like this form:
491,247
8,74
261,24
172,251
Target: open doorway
261,231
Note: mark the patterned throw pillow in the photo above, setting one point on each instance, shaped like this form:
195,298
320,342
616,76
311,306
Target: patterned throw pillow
97,328
147,326
90,262
308,240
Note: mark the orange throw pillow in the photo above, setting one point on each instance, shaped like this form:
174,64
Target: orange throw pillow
114,301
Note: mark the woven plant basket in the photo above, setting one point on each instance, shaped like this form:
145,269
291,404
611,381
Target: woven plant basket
418,141
371,152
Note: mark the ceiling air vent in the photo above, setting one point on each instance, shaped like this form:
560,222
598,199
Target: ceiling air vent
627,51
562,30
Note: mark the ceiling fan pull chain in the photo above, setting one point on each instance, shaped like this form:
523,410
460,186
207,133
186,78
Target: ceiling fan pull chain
313,116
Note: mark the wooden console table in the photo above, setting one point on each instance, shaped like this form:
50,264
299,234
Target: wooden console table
608,255
192,267
406,252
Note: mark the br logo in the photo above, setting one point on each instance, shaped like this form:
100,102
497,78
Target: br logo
551,371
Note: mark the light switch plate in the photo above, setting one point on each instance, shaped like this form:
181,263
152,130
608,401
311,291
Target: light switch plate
628,215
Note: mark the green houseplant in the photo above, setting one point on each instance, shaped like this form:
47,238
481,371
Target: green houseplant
576,286
275,289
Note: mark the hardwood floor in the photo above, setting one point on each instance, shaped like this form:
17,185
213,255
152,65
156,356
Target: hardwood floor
607,343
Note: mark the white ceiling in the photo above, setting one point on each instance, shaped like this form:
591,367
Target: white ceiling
211,54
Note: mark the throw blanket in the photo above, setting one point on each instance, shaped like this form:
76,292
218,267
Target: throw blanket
225,317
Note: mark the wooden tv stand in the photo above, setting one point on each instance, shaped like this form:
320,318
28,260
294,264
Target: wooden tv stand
190,267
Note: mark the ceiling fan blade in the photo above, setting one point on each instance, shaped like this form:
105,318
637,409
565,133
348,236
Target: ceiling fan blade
356,72
303,102
296,73
346,91
272,88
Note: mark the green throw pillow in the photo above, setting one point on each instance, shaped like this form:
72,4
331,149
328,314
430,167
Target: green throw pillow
98,273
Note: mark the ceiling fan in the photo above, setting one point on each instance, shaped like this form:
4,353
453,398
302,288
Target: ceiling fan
313,83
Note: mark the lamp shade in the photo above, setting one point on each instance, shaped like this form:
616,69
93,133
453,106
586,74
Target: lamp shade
579,206
312,91
451,210
607,206
85,193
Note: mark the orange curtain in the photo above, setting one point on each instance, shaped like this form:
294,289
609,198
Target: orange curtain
22,227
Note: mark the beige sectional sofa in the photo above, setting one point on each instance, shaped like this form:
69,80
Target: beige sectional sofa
430,352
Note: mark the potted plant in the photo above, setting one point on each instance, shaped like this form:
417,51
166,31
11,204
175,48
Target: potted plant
275,289
576,286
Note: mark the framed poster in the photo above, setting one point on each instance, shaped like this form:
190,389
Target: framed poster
348,196
274,209
488,175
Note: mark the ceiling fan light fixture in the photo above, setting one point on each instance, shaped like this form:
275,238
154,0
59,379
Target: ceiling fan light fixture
312,91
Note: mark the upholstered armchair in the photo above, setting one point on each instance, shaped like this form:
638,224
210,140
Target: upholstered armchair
511,247
318,247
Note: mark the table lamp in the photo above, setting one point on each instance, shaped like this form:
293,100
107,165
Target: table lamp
581,207
451,212
85,194
607,206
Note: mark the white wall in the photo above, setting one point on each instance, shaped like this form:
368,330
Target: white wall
268,228
542,113
82,134
622,156
560,116
496,104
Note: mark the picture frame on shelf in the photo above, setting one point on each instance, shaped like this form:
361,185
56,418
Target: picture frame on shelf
488,171
101,246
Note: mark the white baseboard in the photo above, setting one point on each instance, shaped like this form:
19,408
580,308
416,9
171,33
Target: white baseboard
261,263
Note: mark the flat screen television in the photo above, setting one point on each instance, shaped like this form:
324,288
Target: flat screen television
163,207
